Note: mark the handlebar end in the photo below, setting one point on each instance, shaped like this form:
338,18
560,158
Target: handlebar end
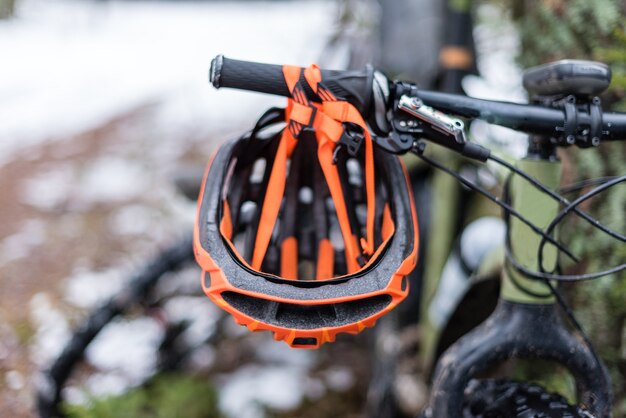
215,71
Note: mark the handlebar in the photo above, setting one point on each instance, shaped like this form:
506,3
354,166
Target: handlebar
359,88
531,119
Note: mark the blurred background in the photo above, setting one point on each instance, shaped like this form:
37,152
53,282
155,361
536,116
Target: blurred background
105,110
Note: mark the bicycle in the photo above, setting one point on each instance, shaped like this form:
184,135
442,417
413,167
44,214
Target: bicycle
567,116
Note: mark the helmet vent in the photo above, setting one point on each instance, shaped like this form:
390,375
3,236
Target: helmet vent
304,342
258,171
297,316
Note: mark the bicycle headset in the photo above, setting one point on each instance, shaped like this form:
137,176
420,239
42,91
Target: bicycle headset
310,231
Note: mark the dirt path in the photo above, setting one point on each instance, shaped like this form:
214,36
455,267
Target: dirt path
71,206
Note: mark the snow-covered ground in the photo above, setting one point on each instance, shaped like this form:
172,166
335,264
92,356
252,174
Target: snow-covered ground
68,65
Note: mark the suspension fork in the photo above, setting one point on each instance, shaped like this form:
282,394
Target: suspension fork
525,323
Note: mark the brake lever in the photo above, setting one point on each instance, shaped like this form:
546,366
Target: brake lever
449,128
413,120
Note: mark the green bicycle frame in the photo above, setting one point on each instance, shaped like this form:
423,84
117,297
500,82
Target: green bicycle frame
536,206
539,209
526,322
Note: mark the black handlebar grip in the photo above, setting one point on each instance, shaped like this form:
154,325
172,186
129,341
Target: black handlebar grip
352,86
246,75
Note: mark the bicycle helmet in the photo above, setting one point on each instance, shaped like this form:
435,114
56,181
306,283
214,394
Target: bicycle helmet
310,231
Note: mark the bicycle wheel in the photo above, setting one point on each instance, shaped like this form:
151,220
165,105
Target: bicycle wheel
144,302
502,398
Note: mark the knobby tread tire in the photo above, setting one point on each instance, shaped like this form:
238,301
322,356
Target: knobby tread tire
502,398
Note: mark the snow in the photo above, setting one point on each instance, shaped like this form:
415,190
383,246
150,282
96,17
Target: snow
112,179
133,220
269,352
51,329
14,380
126,348
48,189
251,387
88,289
279,379
31,235
68,66
339,378
200,315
